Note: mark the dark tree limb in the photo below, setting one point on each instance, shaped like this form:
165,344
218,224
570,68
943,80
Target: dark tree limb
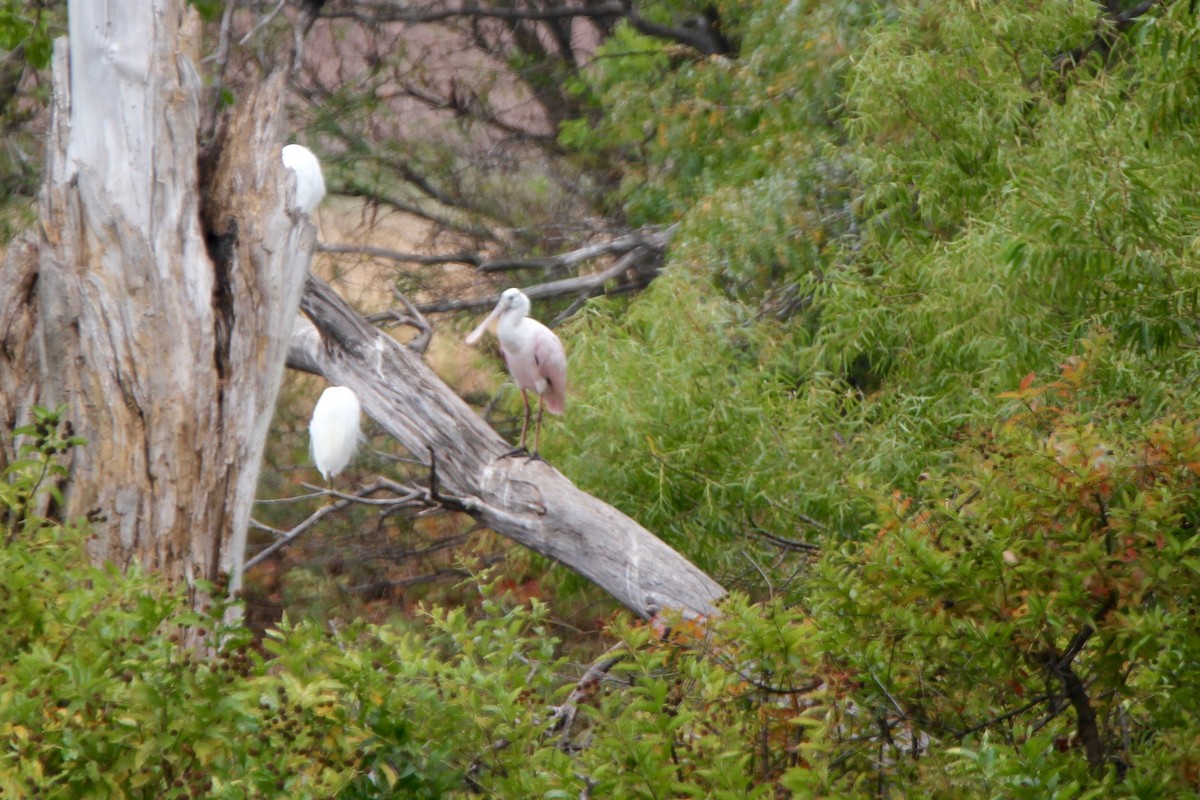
583,285
651,237
1059,666
700,33
469,105
1114,22
527,501
473,259
652,240
447,222
1085,715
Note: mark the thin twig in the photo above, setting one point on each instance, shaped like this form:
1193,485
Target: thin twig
410,496
266,20
780,541
297,498
586,285
221,58
418,580
471,259
295,533
563,717
413,318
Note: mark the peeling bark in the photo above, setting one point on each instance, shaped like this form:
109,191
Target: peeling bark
156,303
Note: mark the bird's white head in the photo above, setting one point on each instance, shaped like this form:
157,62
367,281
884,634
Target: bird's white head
310,183
512,301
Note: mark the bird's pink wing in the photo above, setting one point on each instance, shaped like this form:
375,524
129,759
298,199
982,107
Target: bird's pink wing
551,362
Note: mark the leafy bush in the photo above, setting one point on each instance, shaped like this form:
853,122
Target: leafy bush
1031,609
111,686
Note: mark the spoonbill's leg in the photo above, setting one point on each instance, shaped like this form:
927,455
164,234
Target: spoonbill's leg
537,433
522,450
525,423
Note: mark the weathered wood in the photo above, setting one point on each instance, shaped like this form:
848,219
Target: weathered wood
530,502
157,304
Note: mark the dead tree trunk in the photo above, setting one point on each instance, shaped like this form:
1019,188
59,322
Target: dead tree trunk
530,502
156,303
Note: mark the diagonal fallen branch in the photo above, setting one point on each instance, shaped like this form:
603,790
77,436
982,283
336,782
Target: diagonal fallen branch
529,502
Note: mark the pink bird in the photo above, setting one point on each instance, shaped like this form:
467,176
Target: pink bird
534,356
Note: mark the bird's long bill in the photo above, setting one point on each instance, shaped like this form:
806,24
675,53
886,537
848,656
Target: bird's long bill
475,335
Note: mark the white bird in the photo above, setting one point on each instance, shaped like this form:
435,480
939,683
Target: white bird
334,430
310,184
534,356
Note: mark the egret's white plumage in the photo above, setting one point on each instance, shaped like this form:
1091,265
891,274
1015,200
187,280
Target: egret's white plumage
534,356
334,430
310,183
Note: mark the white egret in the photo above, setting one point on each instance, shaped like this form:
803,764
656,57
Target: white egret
310,184
334,430
534,356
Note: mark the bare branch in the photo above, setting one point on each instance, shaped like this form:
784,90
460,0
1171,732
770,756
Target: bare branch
699,34
651,237
221,57
356,189
411,317
472,107
527,501
412,497
396,255
433,12
262,22
584,285
563,717
376,587
780,541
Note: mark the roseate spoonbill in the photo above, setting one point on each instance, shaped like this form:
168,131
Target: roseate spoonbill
310,184
334,430
535,359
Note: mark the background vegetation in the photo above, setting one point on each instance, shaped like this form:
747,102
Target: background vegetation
919,380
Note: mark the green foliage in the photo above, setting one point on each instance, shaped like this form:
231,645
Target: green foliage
1060,537
892,220
210,10
686,126
98,695
111,686
706,443
898,213
27,32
